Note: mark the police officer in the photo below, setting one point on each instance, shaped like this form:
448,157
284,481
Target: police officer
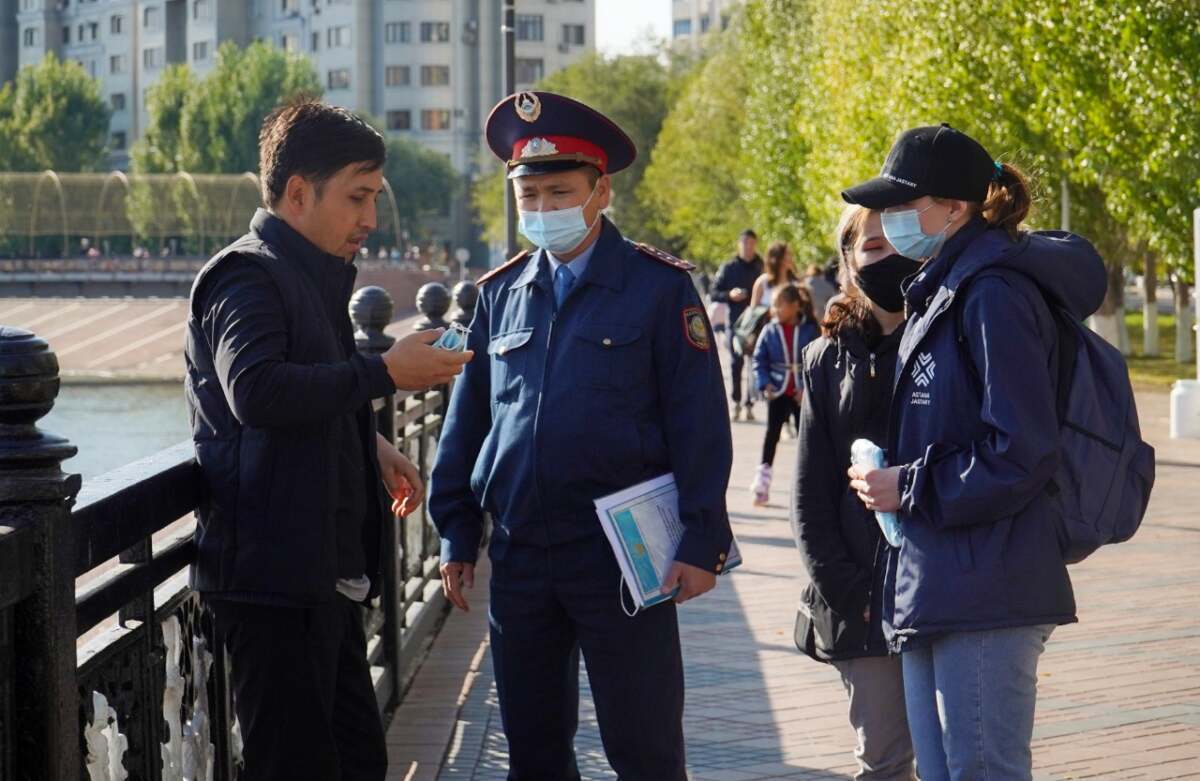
601,373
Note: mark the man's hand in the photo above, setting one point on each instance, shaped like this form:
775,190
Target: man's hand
738,295
879,489
414,365
400,477
456,575
692,581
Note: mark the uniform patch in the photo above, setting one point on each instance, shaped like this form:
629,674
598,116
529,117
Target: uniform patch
695,328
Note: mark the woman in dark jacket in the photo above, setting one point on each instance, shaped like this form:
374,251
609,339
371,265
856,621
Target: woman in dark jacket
847,393
978,581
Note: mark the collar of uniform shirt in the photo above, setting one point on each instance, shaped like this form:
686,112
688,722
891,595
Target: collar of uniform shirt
577,265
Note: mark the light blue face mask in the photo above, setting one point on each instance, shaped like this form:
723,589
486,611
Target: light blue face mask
558,231
903,230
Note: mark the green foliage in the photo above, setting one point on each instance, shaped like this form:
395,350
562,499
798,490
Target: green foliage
422,180
1161,371
211,125
53,117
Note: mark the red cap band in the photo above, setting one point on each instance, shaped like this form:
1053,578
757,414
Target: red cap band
535,148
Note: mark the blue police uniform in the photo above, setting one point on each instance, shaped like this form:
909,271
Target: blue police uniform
564,403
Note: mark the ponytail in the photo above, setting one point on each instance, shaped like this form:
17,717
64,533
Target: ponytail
1008,199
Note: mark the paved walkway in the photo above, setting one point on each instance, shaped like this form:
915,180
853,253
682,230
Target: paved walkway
1119,692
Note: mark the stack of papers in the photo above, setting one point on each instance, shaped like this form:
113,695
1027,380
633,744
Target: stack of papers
643,526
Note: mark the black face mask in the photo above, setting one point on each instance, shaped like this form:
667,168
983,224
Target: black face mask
880,281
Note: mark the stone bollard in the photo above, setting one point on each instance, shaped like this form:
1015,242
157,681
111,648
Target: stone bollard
433,299
35,522
465,296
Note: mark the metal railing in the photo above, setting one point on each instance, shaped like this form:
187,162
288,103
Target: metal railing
106,654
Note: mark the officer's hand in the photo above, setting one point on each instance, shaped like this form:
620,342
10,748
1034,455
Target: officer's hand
414,365
456,575
879,489
692,581
738,295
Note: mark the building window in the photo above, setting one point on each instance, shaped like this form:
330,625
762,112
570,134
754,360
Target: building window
682,28
152,58
118,63
316,42
705,23
150,18
201,9
397,76
573,34
529,27
435,75
435,32
289,6
29,5
435,119
116,25
339,78
200,51
94,30
30,37
117,100
118,140
337,37
397,32
530,70
66,35
399,120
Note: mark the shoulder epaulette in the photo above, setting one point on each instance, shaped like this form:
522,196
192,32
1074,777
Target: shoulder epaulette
514,260
664,257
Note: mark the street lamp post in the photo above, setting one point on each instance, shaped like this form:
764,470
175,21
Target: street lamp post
509,30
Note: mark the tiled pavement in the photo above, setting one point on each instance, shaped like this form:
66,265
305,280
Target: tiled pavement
1119,692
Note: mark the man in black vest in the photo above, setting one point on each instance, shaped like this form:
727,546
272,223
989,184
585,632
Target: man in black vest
732,285
288,535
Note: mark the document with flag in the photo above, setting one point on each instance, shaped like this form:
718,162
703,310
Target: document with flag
643,526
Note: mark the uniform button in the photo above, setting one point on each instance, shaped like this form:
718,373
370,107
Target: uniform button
718,568
721,557
607,342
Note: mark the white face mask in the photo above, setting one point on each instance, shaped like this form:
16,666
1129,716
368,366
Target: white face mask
558,231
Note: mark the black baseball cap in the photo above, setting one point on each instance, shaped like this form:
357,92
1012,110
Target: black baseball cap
936,160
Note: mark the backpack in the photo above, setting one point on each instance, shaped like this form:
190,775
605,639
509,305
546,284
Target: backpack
1106,469
749,323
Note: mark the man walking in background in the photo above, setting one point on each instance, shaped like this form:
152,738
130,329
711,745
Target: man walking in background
732,286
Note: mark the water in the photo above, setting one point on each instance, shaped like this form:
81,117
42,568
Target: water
113,425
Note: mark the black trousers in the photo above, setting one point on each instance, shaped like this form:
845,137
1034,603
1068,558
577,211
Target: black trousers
547,605
737,363
778,411
302,691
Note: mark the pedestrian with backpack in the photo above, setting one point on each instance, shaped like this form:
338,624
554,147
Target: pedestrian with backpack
981,471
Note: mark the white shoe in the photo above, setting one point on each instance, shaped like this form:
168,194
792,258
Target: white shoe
760,488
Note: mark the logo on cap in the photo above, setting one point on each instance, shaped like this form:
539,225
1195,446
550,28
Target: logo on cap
895,178
539,147
528,106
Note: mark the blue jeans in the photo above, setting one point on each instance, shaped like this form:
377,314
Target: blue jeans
970,698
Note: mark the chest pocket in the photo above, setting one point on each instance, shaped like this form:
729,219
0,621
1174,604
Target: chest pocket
509,359
609,356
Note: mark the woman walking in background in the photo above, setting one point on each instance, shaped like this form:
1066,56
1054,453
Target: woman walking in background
777,373
779,270
846,395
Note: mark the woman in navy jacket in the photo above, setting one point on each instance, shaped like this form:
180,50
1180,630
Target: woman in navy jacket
978,582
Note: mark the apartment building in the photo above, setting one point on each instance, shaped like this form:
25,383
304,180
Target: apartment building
428,69
692,18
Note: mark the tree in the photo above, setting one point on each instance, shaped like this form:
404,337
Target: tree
53,117
423,181
212,125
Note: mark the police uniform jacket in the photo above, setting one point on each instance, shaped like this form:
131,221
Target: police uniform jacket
620,385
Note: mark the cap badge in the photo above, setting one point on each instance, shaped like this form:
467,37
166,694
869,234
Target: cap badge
529,106
539,147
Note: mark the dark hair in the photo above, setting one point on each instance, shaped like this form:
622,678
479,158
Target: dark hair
797,295
773,265
314,140
851,310
747,234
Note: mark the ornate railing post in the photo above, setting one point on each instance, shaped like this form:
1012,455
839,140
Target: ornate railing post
466,294
371,310
433,300
35,504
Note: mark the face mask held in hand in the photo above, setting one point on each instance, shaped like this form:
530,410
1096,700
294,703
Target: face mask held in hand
903,230
881,281
558,231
